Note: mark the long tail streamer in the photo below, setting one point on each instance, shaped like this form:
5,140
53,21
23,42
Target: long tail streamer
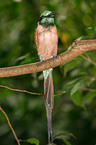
49,102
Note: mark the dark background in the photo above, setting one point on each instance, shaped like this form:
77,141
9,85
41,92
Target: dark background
75,110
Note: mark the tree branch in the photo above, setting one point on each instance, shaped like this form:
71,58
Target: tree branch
78,48
10,125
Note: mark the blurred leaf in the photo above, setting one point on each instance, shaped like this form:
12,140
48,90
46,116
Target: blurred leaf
66,141
22,57
83,74
72,82
89,95
91,29
90,81
70,65
27,59
76,87
77,98
79,38
33,141
64,134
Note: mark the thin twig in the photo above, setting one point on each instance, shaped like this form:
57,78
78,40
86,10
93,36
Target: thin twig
88,89
25,91
60,93
88,59
17,90
10,125
22,140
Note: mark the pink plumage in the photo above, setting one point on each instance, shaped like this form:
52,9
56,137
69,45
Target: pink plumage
46,40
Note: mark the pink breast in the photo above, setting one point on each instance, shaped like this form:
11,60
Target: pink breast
47,42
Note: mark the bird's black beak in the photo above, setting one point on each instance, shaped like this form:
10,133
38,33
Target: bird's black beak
51,15
55,13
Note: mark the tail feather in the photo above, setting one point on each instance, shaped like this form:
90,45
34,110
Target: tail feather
49,90
49,102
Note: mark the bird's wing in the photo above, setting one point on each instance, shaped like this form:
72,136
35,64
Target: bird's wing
36,37
56,40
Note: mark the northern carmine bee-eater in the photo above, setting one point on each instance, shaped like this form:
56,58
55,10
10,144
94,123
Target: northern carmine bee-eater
46,40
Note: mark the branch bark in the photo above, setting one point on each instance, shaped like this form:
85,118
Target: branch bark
78,48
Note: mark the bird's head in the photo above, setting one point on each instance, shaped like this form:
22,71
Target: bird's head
47,18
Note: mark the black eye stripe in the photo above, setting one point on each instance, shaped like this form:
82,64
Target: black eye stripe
51,15
48,16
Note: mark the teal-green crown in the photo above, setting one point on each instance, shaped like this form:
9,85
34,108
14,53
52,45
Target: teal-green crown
47,18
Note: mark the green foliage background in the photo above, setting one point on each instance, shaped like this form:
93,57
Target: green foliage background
75,110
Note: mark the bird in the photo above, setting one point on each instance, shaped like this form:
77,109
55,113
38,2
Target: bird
46,40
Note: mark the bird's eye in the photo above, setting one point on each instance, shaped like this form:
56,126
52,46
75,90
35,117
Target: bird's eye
42,17
48,16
